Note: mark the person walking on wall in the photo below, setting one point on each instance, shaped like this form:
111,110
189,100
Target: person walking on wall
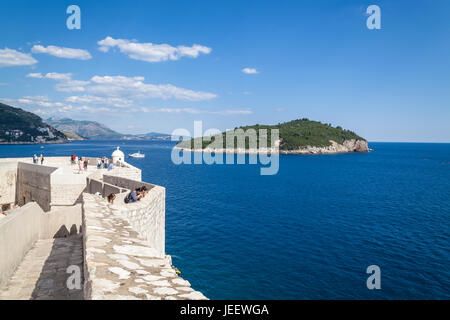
80,166
42,159
85,163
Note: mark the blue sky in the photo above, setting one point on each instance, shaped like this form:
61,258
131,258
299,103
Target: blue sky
141,66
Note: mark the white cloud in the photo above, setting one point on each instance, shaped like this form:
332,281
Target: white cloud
122,87
72,86
52,75
135,87
61,52
65,82
250,71
151,52
111,101
58,76
13,58
43,106
195,111
37,101
233,112
41,101
35,75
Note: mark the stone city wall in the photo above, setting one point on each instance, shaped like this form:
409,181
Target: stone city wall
19,230
8,177
126,183
23,226
121,265
67,187
34,184
126,171
97,185
61,222
147,217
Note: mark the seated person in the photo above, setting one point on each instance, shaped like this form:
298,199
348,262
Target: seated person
133,196
144,191
111,198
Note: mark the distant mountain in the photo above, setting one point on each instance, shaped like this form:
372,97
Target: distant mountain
72,136
148,136
157,134
18,126
84,128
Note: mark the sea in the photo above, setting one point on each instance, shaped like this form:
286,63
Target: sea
309,232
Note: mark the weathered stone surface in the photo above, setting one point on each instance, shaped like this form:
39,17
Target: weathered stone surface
120,266
121,253
165,291
43,275
195,295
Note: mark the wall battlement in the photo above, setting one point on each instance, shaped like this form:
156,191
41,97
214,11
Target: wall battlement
57,200
56,183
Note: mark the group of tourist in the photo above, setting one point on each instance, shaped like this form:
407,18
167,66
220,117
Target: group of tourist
81,162
37,160
133,196
136,194
103,163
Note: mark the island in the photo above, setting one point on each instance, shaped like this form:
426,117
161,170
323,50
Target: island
301,136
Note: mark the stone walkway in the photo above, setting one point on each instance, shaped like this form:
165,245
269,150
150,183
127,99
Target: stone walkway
42,274
121,265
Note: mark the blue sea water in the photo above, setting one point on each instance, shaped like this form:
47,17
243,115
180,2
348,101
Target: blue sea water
308,232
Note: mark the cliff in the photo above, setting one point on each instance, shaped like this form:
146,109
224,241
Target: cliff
351,145
18,126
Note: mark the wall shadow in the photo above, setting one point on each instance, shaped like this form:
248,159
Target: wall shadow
65,250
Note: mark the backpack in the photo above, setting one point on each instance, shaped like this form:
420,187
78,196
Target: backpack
128,198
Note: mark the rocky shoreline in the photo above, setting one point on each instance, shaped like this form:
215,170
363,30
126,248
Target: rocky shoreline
349,146
27,142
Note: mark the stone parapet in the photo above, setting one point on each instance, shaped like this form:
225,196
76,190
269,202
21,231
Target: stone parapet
120,264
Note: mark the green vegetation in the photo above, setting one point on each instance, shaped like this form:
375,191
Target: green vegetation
293,134
20,126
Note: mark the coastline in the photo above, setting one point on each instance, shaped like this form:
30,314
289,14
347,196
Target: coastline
349,146
26,143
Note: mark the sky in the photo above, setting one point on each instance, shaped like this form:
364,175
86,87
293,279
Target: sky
155,66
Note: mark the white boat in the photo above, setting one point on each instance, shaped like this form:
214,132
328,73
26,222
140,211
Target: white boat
137,155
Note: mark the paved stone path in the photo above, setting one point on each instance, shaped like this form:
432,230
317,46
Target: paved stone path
121,265
42,274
